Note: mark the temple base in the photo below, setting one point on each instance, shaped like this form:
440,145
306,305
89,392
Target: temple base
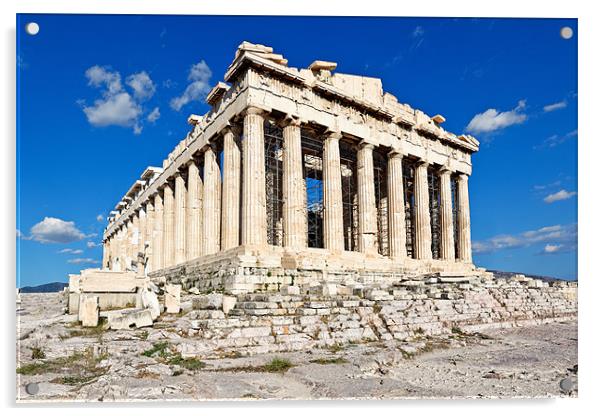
247,269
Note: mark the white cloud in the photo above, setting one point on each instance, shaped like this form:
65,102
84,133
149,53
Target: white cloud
559,196
493,119
86,260
100,218
71,251
154,115
22,236
168,83
143,86
117,107
91,244
55,230
565,235
552,248
199,75
419,31
555,140
554,107
546,186
102,77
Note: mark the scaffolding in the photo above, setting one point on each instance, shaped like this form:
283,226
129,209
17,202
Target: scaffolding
349,190
408,187
273,143
382,202
311,150
435,210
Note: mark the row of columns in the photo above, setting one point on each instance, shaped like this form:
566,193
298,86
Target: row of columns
204,216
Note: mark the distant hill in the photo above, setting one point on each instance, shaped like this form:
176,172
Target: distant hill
47,287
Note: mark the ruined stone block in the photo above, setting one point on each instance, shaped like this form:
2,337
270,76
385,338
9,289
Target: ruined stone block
88,311
172,298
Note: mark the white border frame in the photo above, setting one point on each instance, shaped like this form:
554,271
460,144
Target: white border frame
590,91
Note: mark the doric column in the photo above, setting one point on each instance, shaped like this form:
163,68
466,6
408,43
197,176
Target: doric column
180,219
111,251
333,194
294,214
447,218
230,191
211,202
121,240
135,237
148,235
105,253
366,199
254,218
114,250
130,245
422,213
142,220
464,244
396,208
168,226
194,211
158,233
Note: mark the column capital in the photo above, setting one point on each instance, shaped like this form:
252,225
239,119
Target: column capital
211,145
366,145
422,162
290,120
256,110
396,153
189,162
228,128
333,135
445,170
463,176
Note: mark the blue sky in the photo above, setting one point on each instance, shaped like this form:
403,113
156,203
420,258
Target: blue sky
99,98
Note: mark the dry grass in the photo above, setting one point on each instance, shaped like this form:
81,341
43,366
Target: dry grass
77,368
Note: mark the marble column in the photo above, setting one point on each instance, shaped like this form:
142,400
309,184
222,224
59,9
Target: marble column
105,253
368,228
333,194
194,211
396,208
422,213
294,213
169,251
158,233
211,202
230,191
148,235
129,257
121,247
254,217
448,251
180,220
142,220
113,254
464,243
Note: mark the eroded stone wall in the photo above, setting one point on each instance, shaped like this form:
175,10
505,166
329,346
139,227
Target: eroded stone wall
269,322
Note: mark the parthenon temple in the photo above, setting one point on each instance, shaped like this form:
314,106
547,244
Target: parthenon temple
299,175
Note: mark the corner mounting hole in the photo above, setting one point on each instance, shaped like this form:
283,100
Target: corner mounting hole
32,28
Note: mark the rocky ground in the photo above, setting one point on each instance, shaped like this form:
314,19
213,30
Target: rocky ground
59,360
